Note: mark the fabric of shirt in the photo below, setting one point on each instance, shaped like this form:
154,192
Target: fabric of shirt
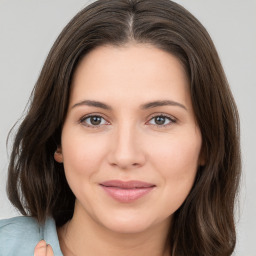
20,235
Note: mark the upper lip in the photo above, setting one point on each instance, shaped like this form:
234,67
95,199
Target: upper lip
127,184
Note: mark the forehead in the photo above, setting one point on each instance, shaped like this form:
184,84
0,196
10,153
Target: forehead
129,73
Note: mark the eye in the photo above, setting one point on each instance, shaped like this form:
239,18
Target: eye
161,120
93,121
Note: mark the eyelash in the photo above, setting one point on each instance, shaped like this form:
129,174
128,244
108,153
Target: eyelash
169,118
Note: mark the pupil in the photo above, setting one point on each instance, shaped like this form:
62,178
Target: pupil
95,120
160,120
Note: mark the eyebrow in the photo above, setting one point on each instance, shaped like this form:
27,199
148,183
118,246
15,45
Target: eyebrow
161,103
149,105
92,103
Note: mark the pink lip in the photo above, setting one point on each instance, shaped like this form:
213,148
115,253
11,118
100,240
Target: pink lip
126,191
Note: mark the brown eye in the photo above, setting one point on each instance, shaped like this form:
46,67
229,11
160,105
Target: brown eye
92,121
95,120
161,120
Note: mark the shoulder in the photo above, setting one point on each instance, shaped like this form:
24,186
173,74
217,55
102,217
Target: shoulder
21,235
16,225
18,234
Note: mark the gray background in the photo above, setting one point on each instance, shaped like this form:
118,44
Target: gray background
28,28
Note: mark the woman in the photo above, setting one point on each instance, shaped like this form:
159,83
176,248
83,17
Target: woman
131,142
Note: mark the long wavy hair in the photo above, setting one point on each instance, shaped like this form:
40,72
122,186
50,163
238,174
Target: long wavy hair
204,224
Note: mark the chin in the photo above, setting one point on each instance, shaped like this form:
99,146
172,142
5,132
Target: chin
129,223
128,227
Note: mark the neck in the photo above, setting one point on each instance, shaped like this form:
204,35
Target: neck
82,234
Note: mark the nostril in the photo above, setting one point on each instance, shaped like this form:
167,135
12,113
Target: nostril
126,156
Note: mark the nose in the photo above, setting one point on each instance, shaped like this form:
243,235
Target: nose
126,149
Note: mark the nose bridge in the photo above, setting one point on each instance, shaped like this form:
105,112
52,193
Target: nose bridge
126,151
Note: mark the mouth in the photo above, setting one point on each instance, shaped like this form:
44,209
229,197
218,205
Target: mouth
126,191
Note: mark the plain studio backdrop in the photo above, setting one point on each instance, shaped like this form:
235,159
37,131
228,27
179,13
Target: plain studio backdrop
28,29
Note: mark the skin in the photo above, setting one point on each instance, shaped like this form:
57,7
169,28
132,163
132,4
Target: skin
42,249
128,144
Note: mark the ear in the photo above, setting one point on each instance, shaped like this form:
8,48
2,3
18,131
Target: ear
58,155
201,160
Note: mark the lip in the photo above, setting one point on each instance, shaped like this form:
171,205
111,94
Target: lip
126,191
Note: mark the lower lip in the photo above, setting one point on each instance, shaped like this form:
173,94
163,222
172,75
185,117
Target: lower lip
126,195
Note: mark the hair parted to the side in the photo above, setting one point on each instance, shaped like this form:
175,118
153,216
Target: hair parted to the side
204,224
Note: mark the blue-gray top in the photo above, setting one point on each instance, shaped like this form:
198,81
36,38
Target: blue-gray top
20,235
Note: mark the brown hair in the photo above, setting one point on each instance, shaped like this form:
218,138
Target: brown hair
204,224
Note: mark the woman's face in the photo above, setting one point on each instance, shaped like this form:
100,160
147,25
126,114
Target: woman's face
130,143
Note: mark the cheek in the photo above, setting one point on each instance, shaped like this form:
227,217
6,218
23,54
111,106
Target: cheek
177,162
82,158
179,151
82,154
